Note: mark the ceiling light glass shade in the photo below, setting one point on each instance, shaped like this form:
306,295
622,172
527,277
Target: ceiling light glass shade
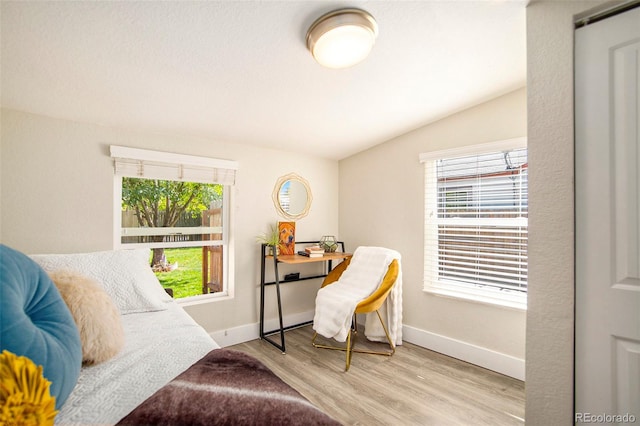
342,38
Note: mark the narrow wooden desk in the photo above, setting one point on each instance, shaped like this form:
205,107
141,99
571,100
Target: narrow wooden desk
289,259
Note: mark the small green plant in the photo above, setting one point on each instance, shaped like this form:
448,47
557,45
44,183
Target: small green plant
270,238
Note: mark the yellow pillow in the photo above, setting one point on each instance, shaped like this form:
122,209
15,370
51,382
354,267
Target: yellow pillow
25,398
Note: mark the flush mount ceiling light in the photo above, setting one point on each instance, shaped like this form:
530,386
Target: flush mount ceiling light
342,38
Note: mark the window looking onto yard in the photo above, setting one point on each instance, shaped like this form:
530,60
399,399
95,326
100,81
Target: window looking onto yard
476,222
180,210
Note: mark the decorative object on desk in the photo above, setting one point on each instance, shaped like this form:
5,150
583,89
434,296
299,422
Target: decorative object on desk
271,238
287,237
292,196
329,243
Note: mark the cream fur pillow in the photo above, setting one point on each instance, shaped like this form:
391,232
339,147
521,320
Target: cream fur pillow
95,314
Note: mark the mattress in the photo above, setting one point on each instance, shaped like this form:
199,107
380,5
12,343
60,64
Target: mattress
159,346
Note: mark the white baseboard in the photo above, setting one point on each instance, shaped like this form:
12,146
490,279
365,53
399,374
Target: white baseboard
483,357
235,335
245,333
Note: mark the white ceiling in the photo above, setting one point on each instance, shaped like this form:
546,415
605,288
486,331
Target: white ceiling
239,71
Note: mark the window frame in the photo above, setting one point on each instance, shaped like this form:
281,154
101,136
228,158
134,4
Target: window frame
467,291
172,159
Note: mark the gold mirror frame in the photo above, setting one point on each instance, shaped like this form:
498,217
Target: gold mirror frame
277,202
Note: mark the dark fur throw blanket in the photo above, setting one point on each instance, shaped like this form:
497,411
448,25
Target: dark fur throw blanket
227,387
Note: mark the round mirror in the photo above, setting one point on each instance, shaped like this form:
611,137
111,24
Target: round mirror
292,196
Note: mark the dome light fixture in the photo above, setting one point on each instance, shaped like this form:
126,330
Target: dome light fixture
342,38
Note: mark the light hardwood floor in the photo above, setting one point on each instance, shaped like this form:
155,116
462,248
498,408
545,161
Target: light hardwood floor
415,386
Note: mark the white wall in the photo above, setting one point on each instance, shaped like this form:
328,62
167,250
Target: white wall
550,320
57,197
382,203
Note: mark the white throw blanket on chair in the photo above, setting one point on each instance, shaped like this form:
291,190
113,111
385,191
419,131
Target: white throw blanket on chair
391,313
336,303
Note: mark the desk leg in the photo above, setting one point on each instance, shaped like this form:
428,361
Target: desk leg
275,268
262,311
267,335
262,281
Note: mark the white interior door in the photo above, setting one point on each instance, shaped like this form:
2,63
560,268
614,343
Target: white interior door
607,108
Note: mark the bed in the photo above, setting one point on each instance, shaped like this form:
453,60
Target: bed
167,369
158,346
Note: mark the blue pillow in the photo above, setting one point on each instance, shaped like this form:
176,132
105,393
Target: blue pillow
36,323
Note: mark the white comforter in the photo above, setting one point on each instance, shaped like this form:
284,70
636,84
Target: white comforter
159,346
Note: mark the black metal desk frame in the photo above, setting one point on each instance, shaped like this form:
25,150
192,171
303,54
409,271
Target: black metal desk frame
263,284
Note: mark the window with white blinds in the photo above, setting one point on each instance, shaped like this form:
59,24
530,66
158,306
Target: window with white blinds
178,206
476,221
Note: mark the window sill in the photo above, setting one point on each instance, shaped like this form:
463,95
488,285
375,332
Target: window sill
484,296
199,300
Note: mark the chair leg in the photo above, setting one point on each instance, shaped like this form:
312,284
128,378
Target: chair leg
386,332
350,343
349,352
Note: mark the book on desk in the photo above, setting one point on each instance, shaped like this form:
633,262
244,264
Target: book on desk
306,254
312,251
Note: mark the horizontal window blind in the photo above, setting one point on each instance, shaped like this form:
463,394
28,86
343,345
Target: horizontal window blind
476,225
141,163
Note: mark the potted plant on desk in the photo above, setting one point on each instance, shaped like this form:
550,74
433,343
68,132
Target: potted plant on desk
271,239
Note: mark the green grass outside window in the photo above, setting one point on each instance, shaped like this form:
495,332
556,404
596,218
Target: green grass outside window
186,280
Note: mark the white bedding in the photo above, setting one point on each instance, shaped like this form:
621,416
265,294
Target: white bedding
159,346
